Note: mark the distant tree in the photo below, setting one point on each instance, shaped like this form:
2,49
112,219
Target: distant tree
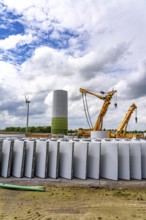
37,129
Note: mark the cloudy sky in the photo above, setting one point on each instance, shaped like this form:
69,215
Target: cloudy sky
50,44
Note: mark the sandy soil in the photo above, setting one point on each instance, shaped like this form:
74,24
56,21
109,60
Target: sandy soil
76,182
74,199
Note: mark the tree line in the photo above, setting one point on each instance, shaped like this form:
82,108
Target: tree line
35,129
47,129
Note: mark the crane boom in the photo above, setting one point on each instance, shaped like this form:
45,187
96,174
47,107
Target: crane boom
107,101
91,93
107,98
124,123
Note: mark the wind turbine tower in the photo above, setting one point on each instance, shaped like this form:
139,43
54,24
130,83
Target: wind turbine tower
27,116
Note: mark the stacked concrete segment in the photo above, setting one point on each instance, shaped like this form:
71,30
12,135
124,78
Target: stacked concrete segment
110,159
53,159
93,160
18,162
66,159
42,148
6,161
1,144
80,159
124,160
30,158
143,158
135,160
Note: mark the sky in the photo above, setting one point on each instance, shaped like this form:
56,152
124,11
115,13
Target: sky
47,45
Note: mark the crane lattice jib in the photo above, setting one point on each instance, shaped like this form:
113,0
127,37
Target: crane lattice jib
107,98
124,123
91,93
99,122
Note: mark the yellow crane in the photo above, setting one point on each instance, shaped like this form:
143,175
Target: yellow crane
121,130
107,100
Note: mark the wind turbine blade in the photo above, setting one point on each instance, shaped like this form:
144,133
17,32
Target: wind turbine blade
26,99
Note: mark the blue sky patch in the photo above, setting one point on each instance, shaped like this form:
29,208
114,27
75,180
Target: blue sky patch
12,24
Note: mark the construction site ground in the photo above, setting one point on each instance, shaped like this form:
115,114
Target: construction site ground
74,199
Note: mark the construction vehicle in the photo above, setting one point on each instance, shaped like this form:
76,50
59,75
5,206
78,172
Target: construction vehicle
121,130
106,97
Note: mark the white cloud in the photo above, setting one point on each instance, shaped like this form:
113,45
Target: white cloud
95,61
47,62
3,26
105,47
49,69
133,86
14,40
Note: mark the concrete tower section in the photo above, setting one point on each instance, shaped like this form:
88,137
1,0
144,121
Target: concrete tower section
60,112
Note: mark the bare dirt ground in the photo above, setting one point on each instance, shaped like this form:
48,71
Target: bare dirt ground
74,199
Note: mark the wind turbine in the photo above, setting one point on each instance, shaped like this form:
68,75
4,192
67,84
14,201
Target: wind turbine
27,101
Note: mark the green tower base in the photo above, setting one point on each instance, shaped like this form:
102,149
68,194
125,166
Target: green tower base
59,126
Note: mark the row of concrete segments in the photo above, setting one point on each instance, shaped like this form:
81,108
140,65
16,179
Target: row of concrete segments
52,158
